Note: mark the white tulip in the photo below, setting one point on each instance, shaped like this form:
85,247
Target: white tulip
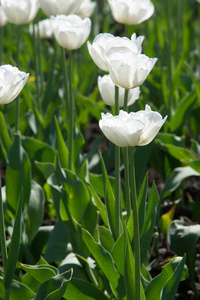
128,70
21,11
131,129
71,32
3,19
44,27
86,9
60,7
12,81
107,92
105,42
131,12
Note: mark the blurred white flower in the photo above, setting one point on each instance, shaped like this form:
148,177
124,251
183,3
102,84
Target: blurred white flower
71,31
128,70
60,7
21,11
133,129
3,19
12,81
131,12
86,9
107,92
44,27
105,42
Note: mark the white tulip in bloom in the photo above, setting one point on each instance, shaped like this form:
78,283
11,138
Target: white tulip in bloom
105,42
71,32
86,9
12,81
44,27
133,129
3,19
107,92
131,12
128,70
21,11
60,7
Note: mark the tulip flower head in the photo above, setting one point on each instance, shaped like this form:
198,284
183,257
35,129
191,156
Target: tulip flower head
12,81
128,70
71,32
21,11
44,27
3,19
105,42
133,129
86,9
107,91
131,12
60,7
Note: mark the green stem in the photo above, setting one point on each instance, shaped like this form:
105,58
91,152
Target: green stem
6,294
71,111
63,58
1,45
169,58
135,224
126,167
17,111
2,232
36,62
117,175
126,100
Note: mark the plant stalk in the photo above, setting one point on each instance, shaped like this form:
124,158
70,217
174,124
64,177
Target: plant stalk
17,111
117,175
71,111
2,232
135,225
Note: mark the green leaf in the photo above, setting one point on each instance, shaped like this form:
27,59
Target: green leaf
18,291
182,239
35,210
54,288
109,199
4,135
41,273
62,148
182,111
102,257
175,179
142,199
14,247
106,239
83,290
155,288
18,174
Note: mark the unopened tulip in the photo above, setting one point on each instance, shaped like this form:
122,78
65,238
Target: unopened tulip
12,81
128,70
71,32
105,42
107,92
131,12
86,9
44,28
133,129
60,7
21,11
3,19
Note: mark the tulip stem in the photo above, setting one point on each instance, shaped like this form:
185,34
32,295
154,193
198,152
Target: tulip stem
2,232
126,99
117,175
17,111
71,110
135,224
1,45
35,36
63,57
